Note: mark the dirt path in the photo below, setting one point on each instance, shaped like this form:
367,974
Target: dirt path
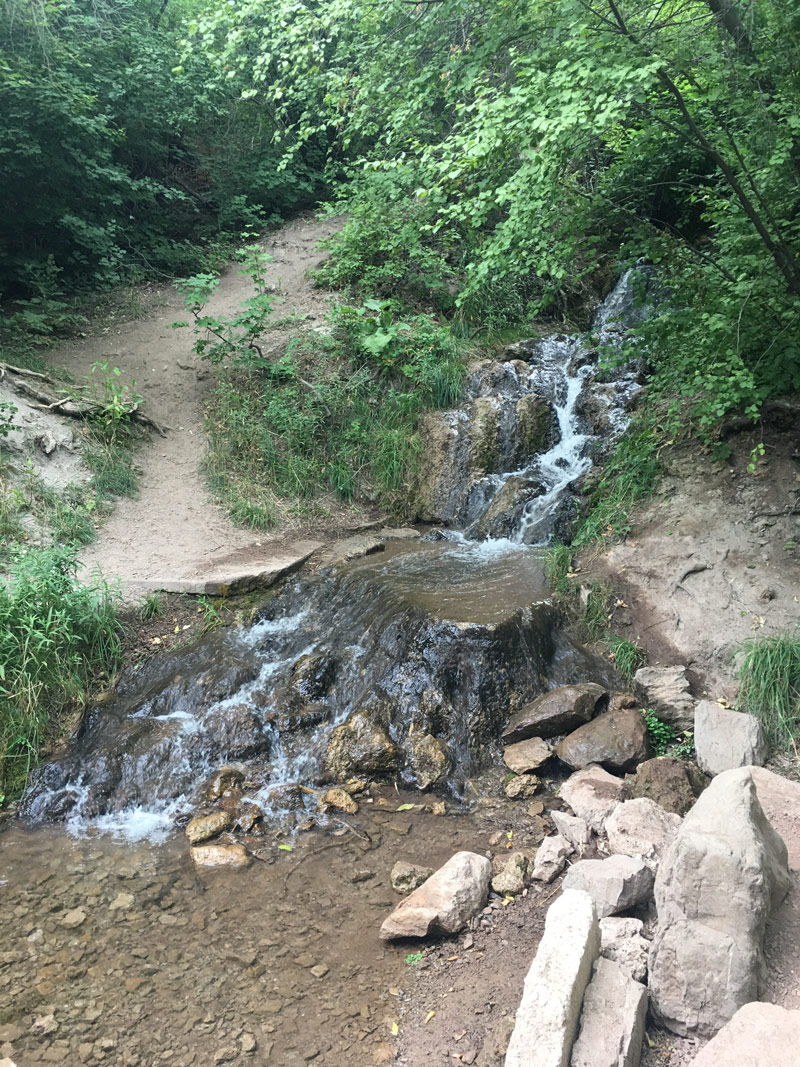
174,530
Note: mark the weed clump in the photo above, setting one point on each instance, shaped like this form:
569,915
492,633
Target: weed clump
769,677
57,636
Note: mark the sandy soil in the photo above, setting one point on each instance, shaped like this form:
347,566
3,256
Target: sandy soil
714,558
174,529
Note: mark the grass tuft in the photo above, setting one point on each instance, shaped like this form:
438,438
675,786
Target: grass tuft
57,637
769,678
558,567
628,657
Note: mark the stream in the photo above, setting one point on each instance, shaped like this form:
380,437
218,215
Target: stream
397,669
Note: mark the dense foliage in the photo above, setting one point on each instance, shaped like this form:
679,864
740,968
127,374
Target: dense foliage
500,153
117,159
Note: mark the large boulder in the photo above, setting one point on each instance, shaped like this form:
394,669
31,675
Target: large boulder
555,712
758,1035
547,1018
616,739
725,739
666,691
503,514
612,1020
715,889
614,884
669,782
445,902
360,746
593,793
641,828
527,755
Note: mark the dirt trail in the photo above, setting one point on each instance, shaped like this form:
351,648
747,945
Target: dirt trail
174,529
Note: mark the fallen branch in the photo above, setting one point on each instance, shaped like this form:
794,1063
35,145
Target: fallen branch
23,371
80,409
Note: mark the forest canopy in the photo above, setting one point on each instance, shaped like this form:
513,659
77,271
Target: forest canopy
496,159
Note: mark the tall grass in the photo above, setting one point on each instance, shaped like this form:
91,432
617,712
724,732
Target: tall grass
57,636
769,678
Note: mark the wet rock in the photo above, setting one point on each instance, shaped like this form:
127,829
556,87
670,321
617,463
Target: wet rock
621,940
536,429
312,676
516,874
758,1035
338,800
667,782
246,816
555,712
715,890
428,760
575,830
44,1025
203,827
287,797
616,739
220,856
360,746
406,877
527,755
521,786
612,1021
614,884
548,1015
446,901
666,691
593,793
224,779
502,516
305,717
73,918
551,858
641,828
121,902
725,739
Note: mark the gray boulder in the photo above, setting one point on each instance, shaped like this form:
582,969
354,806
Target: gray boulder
616,739
515,875
715,889
758,1035
547,1018
666,691
612,1020
556,712
527,755
551,858
575,830
725,739
445,902
621,940
593,793
614,884
641,828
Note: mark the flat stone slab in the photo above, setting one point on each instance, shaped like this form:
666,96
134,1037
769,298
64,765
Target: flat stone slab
226,579
758,1035
548,1015
612,1021
726,739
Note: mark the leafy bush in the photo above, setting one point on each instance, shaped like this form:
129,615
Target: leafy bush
58,636
659,734
769,677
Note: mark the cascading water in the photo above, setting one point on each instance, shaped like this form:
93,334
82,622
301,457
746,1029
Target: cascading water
405,663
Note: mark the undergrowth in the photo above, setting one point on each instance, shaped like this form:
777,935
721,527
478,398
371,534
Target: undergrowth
58,637
769,676
324,413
